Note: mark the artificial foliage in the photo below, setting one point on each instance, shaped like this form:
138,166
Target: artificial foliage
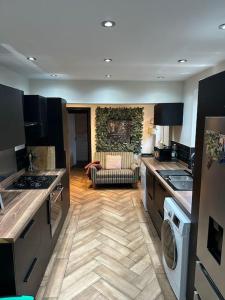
103,115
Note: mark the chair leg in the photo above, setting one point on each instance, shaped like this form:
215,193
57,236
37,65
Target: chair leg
93,185
134,185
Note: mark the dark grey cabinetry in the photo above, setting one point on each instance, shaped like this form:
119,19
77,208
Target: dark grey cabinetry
35,119
156,194
168,114
11,118
31,252
25,261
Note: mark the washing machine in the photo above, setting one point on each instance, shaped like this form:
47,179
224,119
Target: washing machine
175,243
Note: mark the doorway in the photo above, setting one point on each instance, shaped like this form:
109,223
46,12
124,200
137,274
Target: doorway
80,136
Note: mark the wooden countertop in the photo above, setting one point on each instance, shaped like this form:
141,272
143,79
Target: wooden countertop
183,198
21,205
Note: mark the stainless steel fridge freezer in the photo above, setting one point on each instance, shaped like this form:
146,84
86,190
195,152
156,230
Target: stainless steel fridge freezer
210,269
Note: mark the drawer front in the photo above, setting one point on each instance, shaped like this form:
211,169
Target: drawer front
203,286
26,254
150,179
154,215
160,194
31,278
27,245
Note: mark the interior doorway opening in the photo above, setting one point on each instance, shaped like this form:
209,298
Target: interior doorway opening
79,136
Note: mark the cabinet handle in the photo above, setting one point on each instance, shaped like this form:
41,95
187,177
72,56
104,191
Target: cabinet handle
27,229
48,212
30,270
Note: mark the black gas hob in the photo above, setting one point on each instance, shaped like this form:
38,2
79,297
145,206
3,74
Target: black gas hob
33,182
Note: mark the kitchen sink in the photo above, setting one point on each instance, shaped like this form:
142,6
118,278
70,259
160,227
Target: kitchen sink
180,185
179,180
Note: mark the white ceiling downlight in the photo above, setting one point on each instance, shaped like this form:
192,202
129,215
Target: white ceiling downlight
108,24
181,61
108,75
54,75
160,77
31,58
222,26
107,60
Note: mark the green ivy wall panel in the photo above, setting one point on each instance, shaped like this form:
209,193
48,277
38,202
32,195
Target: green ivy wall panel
131,118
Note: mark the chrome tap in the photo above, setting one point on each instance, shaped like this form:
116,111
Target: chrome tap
31,158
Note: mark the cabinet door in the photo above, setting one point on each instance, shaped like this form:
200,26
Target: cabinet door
11,118
150,178
32,251
26,262
160,194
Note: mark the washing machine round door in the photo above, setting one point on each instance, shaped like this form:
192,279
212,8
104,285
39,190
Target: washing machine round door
169,247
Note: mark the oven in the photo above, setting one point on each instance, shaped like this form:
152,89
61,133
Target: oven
56,200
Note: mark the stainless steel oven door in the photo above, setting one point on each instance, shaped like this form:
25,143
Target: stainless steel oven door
56,208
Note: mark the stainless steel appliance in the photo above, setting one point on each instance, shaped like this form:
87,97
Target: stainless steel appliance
163,154
56,208
210,269
179,180
175,241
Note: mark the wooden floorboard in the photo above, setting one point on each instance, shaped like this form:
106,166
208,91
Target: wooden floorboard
108,248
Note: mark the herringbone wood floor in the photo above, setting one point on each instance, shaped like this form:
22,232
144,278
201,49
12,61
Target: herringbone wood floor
108,248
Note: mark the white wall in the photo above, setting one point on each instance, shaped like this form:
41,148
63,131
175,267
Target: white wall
13,79
148,139
109,92
186,133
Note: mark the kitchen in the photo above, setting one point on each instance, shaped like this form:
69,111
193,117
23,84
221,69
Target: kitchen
61,237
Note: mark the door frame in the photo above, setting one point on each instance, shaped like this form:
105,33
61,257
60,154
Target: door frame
86,110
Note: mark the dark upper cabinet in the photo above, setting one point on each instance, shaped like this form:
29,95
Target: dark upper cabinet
35,118
168,114
11,118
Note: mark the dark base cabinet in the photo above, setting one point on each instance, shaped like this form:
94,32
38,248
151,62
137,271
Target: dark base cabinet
32,251
23,263
156,194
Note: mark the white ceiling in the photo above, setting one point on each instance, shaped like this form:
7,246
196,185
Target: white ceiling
149,37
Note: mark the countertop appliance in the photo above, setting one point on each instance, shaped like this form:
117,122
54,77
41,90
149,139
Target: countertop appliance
143,184
162,154
210,267
32,182
179,180
175,240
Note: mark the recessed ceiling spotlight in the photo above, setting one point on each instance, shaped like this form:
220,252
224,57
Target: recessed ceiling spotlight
108,24
181,61
222,26
107,60
54,75
160,77
108,75
31,58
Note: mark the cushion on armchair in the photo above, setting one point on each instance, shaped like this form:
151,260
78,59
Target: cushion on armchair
113,162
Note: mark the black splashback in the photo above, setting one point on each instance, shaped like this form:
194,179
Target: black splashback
184,152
